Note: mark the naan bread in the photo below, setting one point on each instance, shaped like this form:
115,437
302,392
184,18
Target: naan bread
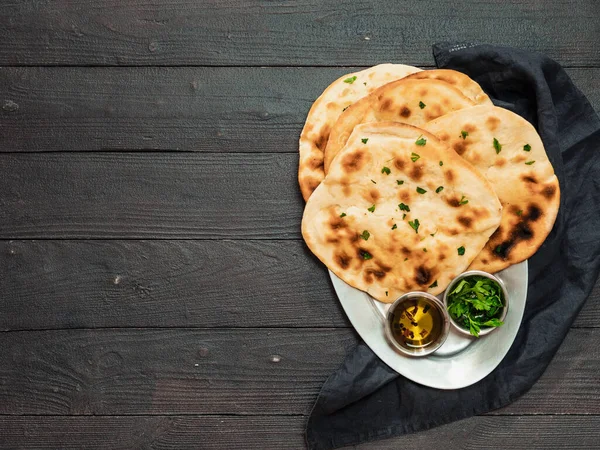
326,110
459,211
529,192
466,85
415,102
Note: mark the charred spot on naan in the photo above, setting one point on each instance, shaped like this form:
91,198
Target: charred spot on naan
386,103
311,184
501,243
321,140
492,123
404,196
519,158
529,178
336,222
449,176
443,136
422,276
405,112
372,196
500,162
459,147
399,163
342,259
369,275
549,191
354,161
416,172
316,164
465,221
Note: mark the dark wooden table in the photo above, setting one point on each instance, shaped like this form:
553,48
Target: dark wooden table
154,288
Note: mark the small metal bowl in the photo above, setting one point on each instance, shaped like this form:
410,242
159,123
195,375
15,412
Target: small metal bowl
450,287
430,347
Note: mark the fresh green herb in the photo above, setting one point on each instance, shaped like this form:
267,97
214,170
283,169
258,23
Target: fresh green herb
433,234
461,250
365,235
425,250
439,189
365,83
497,146
400,182
386,170
372,208
405,259
527,147
403,216
372,181
414,225
476,302
498,249
529,163
366,255
463,201
394,227
464,134
441,163
421,141
422,105
404,207
432,285
364,140
414,157
343,215
350,80
421,190
519,212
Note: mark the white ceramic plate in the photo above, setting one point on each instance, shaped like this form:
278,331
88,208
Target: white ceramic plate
462,360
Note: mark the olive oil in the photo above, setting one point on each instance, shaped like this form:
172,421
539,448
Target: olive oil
416,323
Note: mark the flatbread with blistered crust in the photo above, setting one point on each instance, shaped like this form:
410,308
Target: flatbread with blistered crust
327,108
398,212
520,171
462,82
414,102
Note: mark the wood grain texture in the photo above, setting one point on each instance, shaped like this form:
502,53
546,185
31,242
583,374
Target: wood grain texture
209,109
231,371
154,195
89,284
170,283
305,32
278,433
226,371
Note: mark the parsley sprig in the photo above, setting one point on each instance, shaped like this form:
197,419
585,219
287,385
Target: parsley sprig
476,302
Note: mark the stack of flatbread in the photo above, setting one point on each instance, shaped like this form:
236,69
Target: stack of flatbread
412,177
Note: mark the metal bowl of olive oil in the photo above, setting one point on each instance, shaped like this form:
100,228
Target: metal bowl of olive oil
417,324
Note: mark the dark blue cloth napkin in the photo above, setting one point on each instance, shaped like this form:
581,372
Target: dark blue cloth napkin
365,400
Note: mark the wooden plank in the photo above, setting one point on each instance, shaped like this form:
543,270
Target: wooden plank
89,284
283,432
252,32
154,195
112,371
170,283
226,371
209,109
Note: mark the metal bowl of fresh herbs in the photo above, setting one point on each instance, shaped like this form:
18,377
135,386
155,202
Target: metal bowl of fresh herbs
477,303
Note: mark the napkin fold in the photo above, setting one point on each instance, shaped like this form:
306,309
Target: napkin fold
365,400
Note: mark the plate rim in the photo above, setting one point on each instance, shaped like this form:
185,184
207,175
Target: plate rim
370,328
